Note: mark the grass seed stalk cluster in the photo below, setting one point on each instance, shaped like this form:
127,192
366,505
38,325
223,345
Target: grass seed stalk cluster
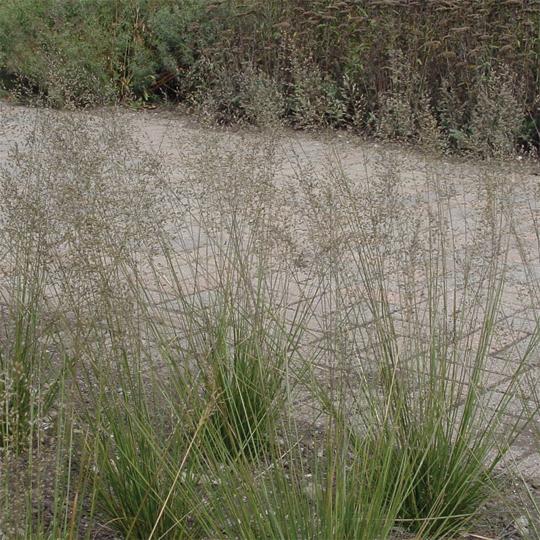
181,358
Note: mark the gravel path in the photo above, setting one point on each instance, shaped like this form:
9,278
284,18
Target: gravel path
206,173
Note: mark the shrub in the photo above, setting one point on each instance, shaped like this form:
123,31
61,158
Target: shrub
498,113
413,71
